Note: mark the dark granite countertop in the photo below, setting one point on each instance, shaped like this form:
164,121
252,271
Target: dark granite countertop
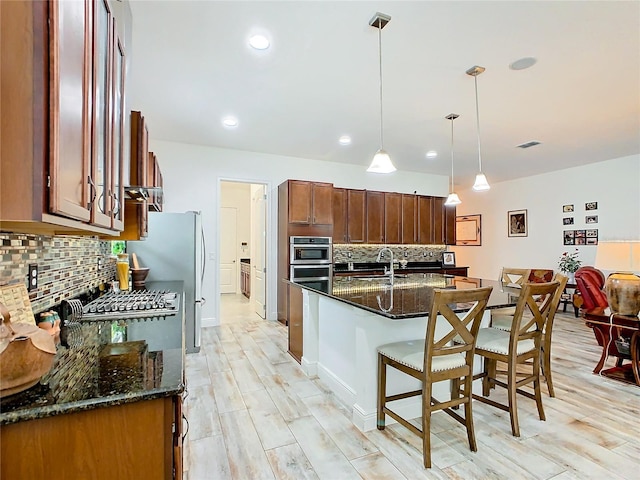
411,294
108,363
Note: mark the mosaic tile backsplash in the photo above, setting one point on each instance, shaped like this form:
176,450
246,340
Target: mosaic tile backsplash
68,266
367,253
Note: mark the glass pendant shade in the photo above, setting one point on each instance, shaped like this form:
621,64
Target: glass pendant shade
381,163
481,184
453,199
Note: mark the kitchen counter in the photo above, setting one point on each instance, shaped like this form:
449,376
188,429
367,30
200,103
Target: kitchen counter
341,331
97,371
369,268
410,295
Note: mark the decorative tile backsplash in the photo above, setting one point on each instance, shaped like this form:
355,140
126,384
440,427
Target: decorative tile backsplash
67,265
367,253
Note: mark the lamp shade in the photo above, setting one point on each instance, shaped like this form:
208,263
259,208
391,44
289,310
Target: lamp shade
453,199
622,286
481,183
381,163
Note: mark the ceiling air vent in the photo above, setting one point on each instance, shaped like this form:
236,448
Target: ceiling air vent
532,143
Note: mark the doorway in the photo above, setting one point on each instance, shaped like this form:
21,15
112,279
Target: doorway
242,237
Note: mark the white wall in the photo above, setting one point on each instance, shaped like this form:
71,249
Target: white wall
614,184
192,176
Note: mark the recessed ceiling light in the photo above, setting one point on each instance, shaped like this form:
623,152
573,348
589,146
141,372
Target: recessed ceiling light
230,122
432,154
523,63
344,140
259,42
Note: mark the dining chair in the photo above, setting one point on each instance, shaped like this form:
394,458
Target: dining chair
504,322
521,345
434,359
514,276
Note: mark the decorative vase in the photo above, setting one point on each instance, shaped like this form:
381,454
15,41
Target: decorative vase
571,277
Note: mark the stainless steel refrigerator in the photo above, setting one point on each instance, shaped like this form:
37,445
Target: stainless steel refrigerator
175,250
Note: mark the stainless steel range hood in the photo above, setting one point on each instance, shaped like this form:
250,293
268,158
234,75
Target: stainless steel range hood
140,194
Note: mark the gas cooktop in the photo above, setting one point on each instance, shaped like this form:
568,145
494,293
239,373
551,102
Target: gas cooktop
131,304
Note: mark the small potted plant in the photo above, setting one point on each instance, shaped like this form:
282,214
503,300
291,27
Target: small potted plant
569,263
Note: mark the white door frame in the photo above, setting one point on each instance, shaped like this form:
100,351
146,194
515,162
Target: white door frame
271,227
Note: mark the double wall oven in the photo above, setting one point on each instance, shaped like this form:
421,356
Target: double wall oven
310,262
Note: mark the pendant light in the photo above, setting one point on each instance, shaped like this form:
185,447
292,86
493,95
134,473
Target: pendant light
453,198
381,162
481,183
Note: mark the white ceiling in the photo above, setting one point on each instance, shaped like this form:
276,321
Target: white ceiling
191,65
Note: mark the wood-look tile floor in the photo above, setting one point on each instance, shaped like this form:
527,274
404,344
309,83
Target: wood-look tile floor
253,414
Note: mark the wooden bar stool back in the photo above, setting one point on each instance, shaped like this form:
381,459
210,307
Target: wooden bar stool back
519,346
434,359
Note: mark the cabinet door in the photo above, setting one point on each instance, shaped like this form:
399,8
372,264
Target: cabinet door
375,217
295,322
438,220
101,147
322,195
340,214
356,220
299,202
70,34
409,207
118,136
392,218
450,225
425,220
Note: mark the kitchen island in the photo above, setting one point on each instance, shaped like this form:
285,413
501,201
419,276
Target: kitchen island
342,330
111,407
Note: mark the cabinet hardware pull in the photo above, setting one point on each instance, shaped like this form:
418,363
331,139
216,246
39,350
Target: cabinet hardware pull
116,210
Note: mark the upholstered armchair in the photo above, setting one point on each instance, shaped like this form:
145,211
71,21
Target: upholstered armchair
589,291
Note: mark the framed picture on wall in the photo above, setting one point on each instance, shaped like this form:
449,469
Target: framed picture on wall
567,221
591,219
569,237
591,206
567,208
468,230
449,259
517,223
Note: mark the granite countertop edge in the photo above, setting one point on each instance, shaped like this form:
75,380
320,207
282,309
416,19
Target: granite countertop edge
88,404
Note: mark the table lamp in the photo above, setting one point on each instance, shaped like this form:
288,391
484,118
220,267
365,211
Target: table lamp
623,285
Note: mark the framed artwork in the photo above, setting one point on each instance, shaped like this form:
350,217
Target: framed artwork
567,208
567,221
591,206
591,219
468,230
464,282
517,223
569,237
449,259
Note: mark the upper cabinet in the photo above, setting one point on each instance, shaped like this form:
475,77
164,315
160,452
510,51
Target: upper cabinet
393,224
310,203
340,215
409,217
375,217
356,216
62,153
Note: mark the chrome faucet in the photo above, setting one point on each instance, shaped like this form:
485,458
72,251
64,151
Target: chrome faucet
380,255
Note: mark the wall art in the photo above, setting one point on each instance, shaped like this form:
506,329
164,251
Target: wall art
517,223
567,221
591,206
468,230
567,208
591,219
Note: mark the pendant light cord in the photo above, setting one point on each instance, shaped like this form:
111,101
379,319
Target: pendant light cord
380,64
475,78
452,119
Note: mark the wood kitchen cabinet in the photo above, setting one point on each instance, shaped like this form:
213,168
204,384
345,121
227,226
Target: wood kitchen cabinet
340,215
310,203
154,180
375,217
409,216
425,220
356,220
61,155
393,218
450,225
295,322
128,441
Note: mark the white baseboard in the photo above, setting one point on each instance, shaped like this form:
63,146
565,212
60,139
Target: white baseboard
343,391
367,420
310,369
210,322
